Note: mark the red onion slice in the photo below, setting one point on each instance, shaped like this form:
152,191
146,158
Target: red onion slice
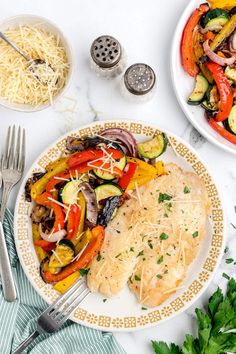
91,203
124,136
52,237
211,28
232,42
216,58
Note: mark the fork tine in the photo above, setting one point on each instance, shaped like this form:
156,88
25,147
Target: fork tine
12,148
17,152
21,164
7,147
66,302
63,316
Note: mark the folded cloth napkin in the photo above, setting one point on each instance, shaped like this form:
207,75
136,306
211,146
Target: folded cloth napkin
18,319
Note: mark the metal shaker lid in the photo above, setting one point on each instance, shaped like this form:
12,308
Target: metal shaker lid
106,51
139,79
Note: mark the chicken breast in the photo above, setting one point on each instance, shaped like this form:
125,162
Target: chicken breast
153,238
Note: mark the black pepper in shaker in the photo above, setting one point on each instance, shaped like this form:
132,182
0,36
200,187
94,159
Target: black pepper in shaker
139,82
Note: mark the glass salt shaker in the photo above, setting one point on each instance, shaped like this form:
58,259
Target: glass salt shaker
139,83
108,58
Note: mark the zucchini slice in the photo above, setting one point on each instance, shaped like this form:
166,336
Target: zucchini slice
63,254
108,176
232,119
199,91
206,105
107,190
153,148
69,193
216,17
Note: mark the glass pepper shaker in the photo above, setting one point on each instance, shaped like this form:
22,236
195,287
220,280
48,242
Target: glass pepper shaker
139,83
108,58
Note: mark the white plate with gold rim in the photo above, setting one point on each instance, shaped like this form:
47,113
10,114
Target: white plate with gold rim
183,85
122,312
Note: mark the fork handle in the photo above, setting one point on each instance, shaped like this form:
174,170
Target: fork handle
26,342
7,187
8,285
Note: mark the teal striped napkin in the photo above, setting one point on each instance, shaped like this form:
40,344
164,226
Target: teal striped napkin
18,319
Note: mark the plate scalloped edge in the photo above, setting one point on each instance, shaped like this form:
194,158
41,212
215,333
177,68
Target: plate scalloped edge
152,316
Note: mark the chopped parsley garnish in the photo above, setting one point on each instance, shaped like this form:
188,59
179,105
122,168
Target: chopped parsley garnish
160,260
169,206
229,260
84,271
168,254
137,278
150,244
186,190
195,234
226,276
118,255
159,276
104,300
233,225
166,215
163,196
131,249
226,249
99,257
130,279
130,227
164,236
143,308
141,253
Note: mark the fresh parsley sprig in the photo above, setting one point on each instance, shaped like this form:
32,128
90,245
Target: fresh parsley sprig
216,327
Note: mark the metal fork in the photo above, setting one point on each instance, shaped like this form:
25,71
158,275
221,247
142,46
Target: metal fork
56,314
12,167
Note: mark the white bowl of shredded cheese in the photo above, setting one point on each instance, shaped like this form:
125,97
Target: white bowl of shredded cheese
38,38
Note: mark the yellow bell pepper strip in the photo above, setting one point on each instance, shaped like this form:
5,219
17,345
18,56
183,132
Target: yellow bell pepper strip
226,94
54,164
187,51
63,285
226,31
83,241
143,174
82,204
40,186
91,251
198,39
222,4
160,168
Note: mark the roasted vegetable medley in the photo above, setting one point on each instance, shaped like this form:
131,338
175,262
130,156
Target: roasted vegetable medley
208,53
79,193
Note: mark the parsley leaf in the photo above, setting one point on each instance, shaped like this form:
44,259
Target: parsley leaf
163,196
195,234
141,253
84,271
160,260
229,260
163,348
164,236
186,190
137,278
99,257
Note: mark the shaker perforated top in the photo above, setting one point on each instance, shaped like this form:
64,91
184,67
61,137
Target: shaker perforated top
106,51
139,79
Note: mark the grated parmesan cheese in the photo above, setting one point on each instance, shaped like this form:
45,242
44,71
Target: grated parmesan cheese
18,83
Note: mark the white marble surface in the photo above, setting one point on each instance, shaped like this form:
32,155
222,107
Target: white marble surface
145,29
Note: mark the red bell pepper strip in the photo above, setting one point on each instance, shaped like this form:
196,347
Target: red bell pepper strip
73,221
129,171
91,251
46,245
59,223
89,155
226,95
222,131
187,50
77,170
